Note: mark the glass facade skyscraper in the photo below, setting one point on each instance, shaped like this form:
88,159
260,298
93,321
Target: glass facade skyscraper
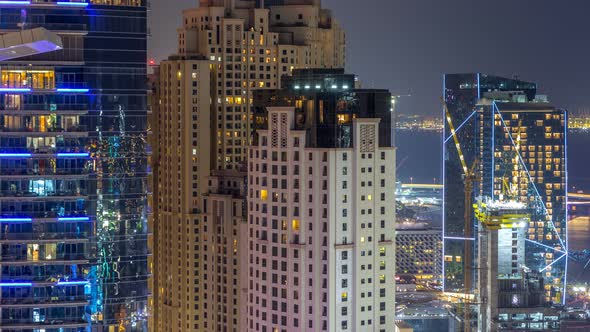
528,164
73,170
502,142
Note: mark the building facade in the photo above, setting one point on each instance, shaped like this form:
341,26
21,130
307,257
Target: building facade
419,253
321,209
252,47
203,124
73,170
528,165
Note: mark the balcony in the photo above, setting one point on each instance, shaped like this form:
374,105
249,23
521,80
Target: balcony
78,237
28,195
44,109
61,173
19,324
74,130
60,260
70,301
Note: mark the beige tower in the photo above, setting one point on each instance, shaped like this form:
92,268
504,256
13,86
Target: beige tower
321,232
251,48
201,125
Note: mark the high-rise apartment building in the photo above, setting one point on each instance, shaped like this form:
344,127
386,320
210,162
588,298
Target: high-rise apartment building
418,252
251,48
202,127
73,170
529,165
321,207
502,141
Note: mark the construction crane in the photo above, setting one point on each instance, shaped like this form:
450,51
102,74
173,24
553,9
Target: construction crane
470,176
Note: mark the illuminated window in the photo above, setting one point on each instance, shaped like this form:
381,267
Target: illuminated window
36,79
263,194
344,296
343,118
295,224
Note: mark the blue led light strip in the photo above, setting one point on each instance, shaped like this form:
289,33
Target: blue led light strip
72,283
8,2
444,149
15,155
15,220
15,89
461,125
30,284
566,119
16,284
73,219
73,4
73,90
59,155
555,261
459,238
544,245
65,155
28,220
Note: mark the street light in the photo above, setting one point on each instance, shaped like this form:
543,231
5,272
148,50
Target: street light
28,42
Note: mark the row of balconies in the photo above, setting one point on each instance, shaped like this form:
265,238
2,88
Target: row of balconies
45,237
46,108
55,130
42,171
58,260
10,195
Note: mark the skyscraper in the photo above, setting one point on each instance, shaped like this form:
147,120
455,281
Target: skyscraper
321,207
250,48
202,112
73,170
510,296
461,93
502,141
529,165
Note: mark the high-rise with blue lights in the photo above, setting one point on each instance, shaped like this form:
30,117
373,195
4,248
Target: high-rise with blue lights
73,170
502,142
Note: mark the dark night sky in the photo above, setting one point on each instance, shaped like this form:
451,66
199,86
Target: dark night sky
406,46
